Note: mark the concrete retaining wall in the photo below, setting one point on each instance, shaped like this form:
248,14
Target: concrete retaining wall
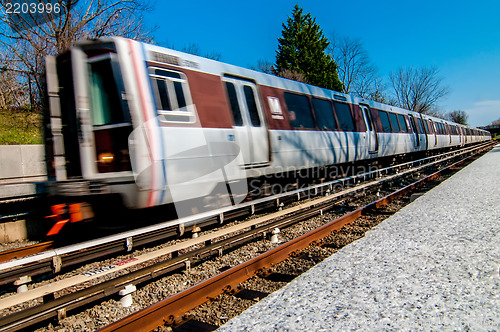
21,163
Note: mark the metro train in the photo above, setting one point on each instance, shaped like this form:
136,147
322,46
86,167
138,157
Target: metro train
151,126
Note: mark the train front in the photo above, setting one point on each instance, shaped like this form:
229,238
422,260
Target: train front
125,134
87,134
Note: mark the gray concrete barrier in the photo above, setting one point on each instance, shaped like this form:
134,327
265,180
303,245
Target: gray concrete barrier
22,163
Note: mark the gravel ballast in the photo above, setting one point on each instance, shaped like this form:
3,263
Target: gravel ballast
432,266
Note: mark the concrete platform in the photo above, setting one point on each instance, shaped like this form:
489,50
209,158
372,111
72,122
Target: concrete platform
434,265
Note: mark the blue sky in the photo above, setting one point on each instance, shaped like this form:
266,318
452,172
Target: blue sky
461,38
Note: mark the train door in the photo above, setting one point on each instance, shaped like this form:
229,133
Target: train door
370,129
414,128
434,129
249,123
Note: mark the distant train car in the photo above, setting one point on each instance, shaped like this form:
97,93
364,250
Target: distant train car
154,126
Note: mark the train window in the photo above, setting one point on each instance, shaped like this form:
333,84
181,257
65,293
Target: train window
384,118
394,122
440,128
162,90
171,92
105,93
324,114
233,101
179,92
299,111
402,122
344,116
252,106
413,125
427,128
420,126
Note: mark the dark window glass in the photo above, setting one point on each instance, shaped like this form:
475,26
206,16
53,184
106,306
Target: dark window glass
394,122
233,101
162,97
402,122
412,124
181,100
324,114
420,126
384,118
299,111
167,73
426,127
105,98
344,116
252,106
368,119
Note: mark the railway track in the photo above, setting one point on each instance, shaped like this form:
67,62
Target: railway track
43,261
172,311
56,305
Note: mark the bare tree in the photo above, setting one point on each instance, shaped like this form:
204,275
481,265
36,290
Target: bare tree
28,38
458,116
356,72
293,75
13,93
194,49
264,66
418,89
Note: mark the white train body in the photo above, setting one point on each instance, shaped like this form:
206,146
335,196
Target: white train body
157,126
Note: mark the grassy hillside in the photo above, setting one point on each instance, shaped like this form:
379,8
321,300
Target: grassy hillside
20,127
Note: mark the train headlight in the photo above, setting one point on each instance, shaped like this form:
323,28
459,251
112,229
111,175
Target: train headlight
106,158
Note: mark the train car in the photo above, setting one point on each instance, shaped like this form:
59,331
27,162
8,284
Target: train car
151,126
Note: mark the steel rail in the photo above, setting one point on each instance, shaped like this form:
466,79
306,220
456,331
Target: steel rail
171,309
52,261
17,253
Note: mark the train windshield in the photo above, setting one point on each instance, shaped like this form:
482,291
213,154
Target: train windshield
106,92
110,114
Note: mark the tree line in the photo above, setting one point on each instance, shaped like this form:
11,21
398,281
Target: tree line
342,64
304,54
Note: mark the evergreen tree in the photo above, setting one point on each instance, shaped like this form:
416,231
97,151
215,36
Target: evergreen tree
302,49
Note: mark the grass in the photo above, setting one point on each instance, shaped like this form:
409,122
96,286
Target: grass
20,127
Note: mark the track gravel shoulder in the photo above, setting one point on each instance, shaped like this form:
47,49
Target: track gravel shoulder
434,265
